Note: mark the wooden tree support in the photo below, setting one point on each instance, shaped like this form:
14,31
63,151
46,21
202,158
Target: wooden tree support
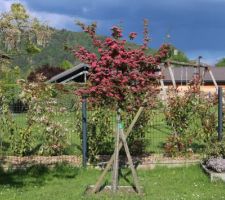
134,174
172,77
109,164
213,79
207,68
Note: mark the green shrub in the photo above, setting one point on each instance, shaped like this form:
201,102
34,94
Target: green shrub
215,149
101,129
192,116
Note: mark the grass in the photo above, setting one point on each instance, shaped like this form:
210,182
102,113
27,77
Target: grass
66,183
157,133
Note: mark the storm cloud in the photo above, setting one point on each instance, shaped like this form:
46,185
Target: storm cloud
196,26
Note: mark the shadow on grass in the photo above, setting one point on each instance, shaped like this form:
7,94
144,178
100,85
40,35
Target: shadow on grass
36,175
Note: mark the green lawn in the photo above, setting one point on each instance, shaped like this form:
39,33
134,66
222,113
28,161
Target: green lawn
157,133
65,183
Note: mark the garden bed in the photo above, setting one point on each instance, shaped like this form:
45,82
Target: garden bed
151,161
17,162
142,162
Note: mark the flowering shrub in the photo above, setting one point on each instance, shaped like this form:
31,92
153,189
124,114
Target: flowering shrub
41,116
42,112
118,76
119,79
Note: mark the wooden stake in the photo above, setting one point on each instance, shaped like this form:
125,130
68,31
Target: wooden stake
134,174
108,166
116,156
213,79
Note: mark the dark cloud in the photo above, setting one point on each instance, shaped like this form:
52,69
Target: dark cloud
193,24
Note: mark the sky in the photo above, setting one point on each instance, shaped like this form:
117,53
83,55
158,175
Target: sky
197,27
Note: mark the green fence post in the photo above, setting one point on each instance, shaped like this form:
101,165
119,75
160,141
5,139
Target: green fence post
220,113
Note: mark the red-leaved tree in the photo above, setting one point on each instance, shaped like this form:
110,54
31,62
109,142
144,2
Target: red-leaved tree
118,75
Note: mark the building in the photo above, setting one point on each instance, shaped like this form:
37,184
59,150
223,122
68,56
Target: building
184,74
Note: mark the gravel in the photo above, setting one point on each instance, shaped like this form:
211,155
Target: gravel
216,164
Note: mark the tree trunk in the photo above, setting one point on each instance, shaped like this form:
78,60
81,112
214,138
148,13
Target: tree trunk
115,177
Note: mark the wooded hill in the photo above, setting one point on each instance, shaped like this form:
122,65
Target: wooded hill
55,54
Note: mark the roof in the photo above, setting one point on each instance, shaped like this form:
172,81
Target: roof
182,74
77,74
185,74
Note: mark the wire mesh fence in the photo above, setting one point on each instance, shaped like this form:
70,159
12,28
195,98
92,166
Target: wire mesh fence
20,128
149,138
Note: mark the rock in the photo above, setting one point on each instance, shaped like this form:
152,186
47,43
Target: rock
216,164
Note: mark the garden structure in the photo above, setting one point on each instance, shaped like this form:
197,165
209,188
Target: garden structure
179,75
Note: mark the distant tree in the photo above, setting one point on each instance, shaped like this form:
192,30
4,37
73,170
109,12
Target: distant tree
20,33
221,63
46,70
178,55
66,64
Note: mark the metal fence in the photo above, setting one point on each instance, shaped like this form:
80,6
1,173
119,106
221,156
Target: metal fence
67,112
156,132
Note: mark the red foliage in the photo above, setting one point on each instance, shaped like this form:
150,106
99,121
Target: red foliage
117,74
132,35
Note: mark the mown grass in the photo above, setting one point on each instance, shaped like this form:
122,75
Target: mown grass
66,183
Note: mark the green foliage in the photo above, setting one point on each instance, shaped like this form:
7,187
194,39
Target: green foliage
41,121
215,148
193,118
100,133
41,115
178,112
19,12
21,34
221,63
18,29
9,88
7,124
32,49
178,55
102,127
66,64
